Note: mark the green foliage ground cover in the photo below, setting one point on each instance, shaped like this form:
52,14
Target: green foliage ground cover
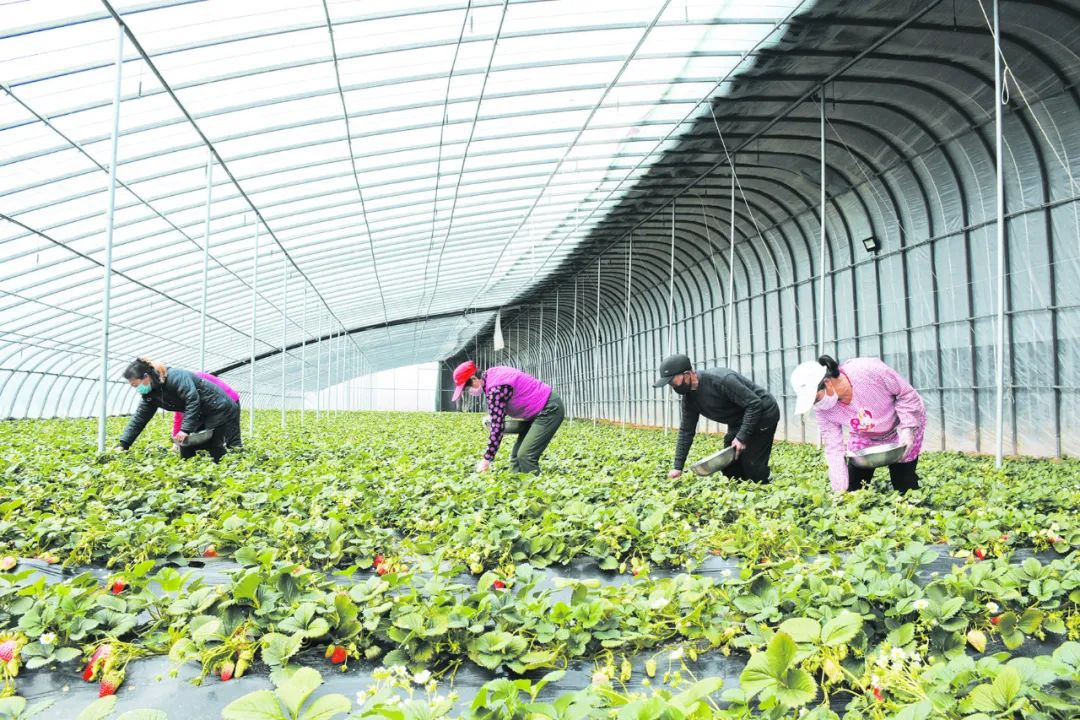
354,533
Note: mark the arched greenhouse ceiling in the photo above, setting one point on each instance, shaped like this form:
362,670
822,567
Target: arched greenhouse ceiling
415,169
908,93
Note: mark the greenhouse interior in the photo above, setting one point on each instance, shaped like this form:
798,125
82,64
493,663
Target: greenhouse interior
525,359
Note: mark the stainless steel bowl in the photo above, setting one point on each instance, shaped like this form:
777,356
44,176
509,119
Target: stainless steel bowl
199,437
510,425
877,456
714,463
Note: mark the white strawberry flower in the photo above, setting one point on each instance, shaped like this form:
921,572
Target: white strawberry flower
676,654
875,681
47,638
600,678
422,677
992,607
921,604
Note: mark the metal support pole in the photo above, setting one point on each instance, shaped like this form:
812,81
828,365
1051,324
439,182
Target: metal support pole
999,354
540,349
110,213
596,351
318,370
671,314
626,332
254,321
303,357
821,287
574,345
206,258
284,327
731,276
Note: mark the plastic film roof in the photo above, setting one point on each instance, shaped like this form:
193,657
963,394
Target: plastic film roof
400,162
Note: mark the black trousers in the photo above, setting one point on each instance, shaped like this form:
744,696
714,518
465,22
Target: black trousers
232,431
902,475
753,461
225,437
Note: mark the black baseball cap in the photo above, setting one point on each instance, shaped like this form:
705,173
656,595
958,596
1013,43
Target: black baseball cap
673,365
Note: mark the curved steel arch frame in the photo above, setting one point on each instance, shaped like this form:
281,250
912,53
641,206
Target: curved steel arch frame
923,300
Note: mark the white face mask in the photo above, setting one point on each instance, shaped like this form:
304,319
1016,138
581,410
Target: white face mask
827,402
475,391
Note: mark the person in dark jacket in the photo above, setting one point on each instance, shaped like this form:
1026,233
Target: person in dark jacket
205,406
724,396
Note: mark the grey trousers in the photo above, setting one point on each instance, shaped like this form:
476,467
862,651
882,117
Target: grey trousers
533,441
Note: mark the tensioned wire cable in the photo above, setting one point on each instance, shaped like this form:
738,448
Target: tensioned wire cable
727,78
439,160
465,158
221,161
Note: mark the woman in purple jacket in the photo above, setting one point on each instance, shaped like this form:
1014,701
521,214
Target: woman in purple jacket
512,393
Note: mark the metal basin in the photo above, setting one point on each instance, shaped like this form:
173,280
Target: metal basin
714,463
199,437
510,425
877,456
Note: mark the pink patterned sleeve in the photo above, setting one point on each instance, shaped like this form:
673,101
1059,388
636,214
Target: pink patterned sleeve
832,437
910,408
233,395
498,398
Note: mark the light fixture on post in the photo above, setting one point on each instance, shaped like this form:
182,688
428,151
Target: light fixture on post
871,244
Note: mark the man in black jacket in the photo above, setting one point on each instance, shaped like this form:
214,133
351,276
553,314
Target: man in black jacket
204,404
724,396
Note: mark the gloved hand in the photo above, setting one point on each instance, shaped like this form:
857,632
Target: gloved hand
907,438
675,474
739,446
483,466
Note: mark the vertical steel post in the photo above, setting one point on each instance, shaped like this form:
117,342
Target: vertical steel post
303,356
284,327
573,345
596,351
106,307
254,321
671,315
626,331
318,369
731,276
821,287
999,354
206,258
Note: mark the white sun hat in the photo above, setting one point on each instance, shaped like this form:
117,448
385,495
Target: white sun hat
804,381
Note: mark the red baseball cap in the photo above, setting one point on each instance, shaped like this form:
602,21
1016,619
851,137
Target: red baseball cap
462,373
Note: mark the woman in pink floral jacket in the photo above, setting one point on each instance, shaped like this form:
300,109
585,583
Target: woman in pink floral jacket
874,404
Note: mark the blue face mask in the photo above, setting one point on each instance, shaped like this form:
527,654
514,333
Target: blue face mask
143,389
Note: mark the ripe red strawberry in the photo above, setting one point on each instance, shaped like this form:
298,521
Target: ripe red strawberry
499,585
118,586
109,683
379,560
8,648
210,551
101,654
382,568
338,654
878,695
995,620
979,553
227,670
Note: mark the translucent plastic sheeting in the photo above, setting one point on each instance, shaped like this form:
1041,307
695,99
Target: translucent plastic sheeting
909,155
412,161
